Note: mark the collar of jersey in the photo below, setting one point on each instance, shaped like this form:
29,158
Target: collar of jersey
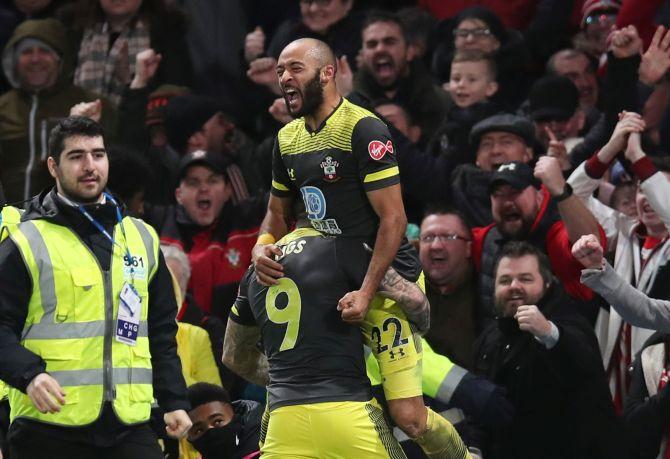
297,234
323,123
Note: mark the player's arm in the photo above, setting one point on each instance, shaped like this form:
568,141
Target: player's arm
240,351
273,228
387,203
241,354
373,148
275,223
409,297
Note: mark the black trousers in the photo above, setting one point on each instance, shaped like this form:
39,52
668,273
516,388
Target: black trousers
138,443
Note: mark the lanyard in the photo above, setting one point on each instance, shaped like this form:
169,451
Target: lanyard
99,227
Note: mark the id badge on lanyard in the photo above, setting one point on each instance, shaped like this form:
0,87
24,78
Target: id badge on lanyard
130,302
128,319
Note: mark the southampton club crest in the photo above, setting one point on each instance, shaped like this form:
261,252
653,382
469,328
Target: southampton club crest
233,256
329,167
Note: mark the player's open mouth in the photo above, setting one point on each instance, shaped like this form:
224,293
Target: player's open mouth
204,204
292,95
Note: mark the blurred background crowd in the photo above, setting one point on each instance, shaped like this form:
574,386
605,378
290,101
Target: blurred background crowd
188,94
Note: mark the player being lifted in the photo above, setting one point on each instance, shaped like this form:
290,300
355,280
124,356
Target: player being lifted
339,158
318,392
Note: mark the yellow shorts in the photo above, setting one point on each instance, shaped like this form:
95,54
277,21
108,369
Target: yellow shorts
396,348
332,430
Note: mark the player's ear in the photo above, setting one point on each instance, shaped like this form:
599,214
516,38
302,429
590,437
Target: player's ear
327,74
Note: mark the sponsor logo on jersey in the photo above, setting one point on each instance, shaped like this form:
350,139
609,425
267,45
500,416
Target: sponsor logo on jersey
329,167
315,205
377,149
315,202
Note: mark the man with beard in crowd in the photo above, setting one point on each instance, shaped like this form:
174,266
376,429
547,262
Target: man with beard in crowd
546,355
545,213
389,71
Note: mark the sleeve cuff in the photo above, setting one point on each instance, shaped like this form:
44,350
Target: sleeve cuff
644,168
551,339
595,168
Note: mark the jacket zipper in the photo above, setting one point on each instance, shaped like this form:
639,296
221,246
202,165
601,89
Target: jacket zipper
108,390
31,159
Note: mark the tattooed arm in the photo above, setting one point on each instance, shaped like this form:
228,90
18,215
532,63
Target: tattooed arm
409,296
241,354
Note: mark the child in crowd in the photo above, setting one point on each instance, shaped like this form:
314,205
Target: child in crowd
472,85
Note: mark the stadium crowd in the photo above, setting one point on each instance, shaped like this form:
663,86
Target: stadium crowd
532,140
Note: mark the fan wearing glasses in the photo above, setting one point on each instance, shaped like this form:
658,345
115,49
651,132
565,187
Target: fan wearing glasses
479,29
445,253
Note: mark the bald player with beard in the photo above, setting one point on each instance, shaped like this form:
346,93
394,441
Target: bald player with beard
339,159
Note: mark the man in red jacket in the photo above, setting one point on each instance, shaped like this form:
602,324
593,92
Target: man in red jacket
544,213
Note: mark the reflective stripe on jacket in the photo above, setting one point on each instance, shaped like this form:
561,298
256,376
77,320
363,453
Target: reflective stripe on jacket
72,319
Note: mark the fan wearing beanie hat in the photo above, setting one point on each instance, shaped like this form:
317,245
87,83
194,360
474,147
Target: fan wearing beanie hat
554,108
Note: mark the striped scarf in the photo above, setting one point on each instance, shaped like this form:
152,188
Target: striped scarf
106,70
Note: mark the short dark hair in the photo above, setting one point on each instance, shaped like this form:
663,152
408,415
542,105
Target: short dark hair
386,101
129,172
375,16
201,393
475,55
518,249
441,209
568,53
72,126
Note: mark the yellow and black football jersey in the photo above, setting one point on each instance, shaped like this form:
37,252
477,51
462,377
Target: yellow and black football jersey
333,167
313,355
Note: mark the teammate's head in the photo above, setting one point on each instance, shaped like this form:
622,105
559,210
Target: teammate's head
215,425
522,274
77,159
306,70
203,186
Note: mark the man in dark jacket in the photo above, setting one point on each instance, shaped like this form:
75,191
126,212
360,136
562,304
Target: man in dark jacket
88,319
648,404
543,212
38,63
388,71
223,429
546,356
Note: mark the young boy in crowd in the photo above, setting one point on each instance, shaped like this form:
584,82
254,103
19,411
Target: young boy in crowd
472,85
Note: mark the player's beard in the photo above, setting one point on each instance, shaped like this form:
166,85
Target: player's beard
312,97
